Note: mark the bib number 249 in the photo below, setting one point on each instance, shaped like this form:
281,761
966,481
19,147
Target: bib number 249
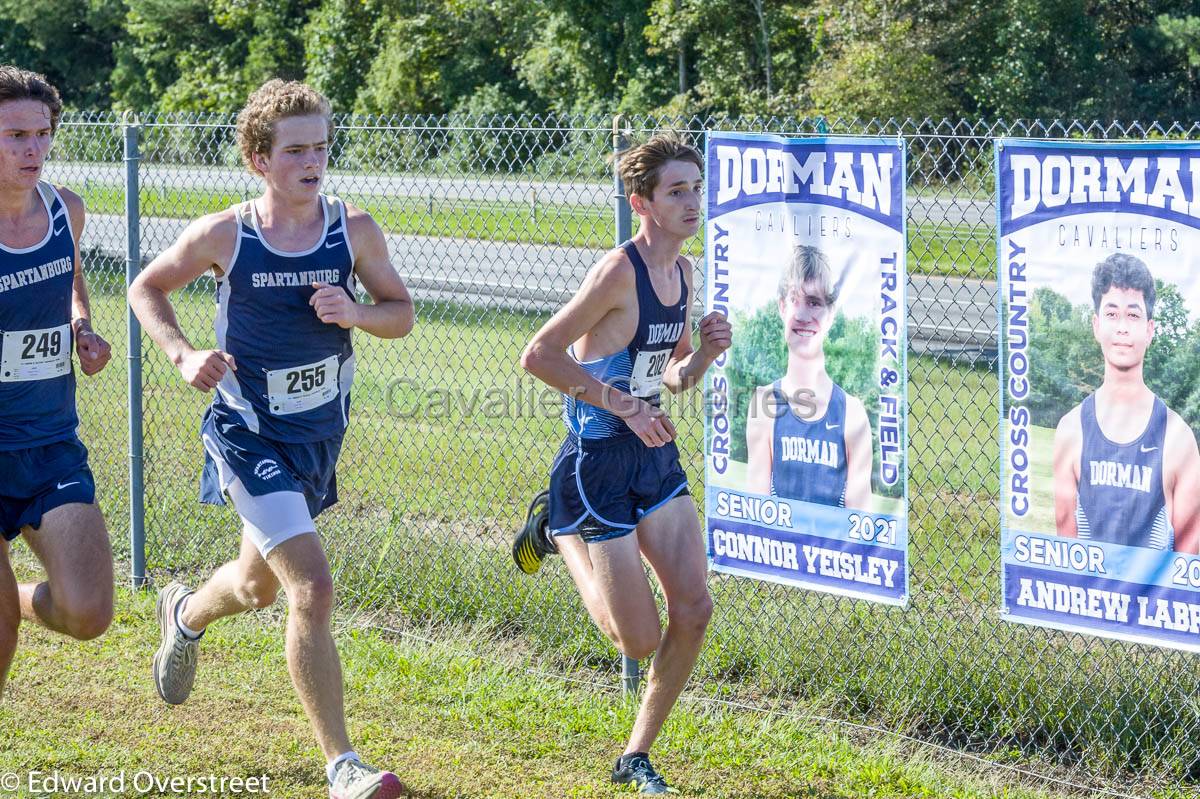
36,354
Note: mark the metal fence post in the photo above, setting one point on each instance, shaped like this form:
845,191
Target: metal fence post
631,675
131,127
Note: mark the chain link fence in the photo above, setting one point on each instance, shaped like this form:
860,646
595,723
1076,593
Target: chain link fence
493,222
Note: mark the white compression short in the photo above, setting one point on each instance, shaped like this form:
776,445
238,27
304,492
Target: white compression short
273,518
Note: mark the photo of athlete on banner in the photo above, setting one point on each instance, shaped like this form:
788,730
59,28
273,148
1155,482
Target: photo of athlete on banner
817,450
1145,491
806,425
1101,354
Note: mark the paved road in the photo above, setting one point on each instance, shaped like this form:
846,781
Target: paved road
947,210
946,315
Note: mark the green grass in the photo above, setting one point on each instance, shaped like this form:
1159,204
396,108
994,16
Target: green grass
453,719
949,250
429,502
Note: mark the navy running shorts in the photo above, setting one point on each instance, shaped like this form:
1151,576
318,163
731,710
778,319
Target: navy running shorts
601,488
264,466
39,479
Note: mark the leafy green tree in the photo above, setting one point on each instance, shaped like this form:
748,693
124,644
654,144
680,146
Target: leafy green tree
1065,362
883,76
590,55
70,41
405,76
1183,40
757,357
432,55
739,57
206,55
339,40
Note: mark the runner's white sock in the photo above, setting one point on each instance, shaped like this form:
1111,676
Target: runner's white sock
188,632
331,768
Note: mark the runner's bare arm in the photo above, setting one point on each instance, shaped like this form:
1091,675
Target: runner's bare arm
859,455
688,365
93,351
390,315
606,286
1182,472
205,244
760,423
1068,440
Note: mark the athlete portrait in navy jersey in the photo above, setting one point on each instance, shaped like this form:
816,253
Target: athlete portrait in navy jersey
1126,467
806,438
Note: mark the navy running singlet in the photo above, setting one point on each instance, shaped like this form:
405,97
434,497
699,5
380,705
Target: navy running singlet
638,368
1121,496
293,376
37,383
808,457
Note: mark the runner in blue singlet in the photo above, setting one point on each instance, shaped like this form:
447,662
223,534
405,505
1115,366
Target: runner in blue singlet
47,494
617,490
286,265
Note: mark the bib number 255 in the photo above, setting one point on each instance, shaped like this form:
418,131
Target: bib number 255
296,389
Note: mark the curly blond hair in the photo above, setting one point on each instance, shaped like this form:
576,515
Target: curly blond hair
275,100
640,166
21,84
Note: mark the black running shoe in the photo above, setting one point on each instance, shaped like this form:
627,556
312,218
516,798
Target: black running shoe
635,769
534,543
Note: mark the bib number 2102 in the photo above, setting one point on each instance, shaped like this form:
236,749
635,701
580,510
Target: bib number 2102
646,377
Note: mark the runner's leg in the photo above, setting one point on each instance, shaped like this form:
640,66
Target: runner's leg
312,657
76,598
10,614
612,583
673,543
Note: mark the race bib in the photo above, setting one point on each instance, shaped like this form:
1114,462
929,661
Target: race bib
301,388
646,380
36,354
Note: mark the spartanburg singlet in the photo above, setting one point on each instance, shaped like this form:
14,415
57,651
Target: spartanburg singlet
293,376
638,368
37,383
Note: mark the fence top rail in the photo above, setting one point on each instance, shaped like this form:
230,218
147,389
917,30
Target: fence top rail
595,123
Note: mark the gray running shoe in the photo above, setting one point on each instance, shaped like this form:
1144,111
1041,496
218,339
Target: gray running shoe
354,779
175,661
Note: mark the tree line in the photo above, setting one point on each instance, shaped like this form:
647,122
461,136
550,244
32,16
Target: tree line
1088,59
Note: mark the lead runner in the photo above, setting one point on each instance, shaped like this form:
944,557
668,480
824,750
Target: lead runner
286,265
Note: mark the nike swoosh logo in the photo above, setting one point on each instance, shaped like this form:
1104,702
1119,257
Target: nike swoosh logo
1148,449
61,486
829,426
329,245
59,230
